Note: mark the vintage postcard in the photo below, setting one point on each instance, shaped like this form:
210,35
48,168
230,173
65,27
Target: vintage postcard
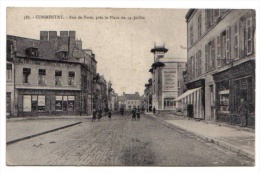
130,87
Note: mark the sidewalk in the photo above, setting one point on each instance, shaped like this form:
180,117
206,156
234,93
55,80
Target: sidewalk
237,140
18,129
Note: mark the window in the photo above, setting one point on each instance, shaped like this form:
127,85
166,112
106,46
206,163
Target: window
198,56
58,75
191,35
236,40
9,72
179,84
217,13
249,36
33,103
199,25
71,78
41,79
58,103
26,73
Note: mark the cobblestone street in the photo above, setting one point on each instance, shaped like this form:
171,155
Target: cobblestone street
121,142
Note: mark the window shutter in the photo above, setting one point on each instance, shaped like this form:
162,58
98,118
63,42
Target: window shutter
206,58
213,54
249,36
236,40
228,45
218,51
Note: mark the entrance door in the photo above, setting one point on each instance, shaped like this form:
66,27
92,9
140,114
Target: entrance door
212,102
8,104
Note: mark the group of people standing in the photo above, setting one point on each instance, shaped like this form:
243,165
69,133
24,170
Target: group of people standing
136,113
98,114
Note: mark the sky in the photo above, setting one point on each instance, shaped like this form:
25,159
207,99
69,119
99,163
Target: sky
122,46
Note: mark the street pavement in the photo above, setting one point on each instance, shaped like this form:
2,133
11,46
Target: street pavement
234,138
118,142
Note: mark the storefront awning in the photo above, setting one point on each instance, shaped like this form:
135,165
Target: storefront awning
187,93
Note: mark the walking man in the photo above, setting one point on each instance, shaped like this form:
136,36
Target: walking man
243,112
154,110
138,112
99,114
134,114
109,114
94,115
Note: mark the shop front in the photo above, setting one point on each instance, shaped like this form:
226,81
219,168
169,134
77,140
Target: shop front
47,102
235,95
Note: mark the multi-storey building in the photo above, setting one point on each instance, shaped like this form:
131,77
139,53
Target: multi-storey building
148,95
167,81
50,76
221,63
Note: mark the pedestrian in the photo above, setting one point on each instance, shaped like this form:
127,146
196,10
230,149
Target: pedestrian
154,110
122,111
99,114
109,114
138,113
94,115
133,114
243,112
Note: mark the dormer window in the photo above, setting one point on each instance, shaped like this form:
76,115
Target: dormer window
63,55
32,52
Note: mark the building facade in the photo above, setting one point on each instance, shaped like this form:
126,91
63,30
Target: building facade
50,76
167,81
221,64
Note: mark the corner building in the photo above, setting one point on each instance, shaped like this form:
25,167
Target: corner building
221,64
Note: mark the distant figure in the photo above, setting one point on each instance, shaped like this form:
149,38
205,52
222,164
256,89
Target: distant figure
94,116
134,114
109,114
138,113
122,110
154,110
243,112
99,114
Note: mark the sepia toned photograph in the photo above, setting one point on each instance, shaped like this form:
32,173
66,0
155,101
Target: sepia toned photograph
161,87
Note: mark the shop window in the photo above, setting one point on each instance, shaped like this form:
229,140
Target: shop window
33,103
224,97
64,103
41,77
26,73
9,72
72,78
58,75
168,102
58,103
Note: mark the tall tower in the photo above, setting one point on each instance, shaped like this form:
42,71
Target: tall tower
159,52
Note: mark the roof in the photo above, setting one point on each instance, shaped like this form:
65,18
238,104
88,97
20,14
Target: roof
132,97
47,50
189,13
159,48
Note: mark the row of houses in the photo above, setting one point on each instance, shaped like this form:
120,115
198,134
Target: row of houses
130,101
219,76
53,76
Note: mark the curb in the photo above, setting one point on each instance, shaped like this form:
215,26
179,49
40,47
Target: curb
212,140
42,133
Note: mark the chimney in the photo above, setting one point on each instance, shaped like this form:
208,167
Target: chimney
79,44
53,38
72,41
64,37
44,35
